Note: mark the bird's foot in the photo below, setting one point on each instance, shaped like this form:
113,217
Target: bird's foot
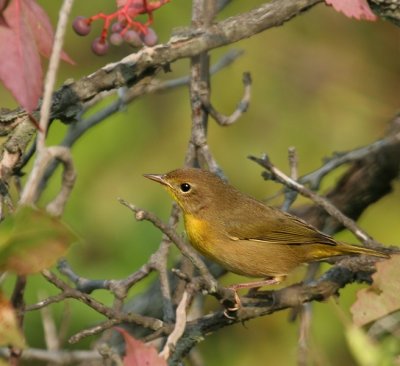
253,286
237,304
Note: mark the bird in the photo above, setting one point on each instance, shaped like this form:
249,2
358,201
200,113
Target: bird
244,235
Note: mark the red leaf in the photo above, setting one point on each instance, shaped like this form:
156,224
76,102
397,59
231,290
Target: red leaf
3,22
121,3
20,68
358,9
3,6
138,353
28,33
42,30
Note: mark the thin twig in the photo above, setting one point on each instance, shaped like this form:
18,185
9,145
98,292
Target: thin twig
221,4
18,303
242,107
50,329
63,154
108,312
93,330
52,71
147,61
56,357
78,129
293,163
290,194
314,178
304,335
198,152
319,200
47,301
31,191
187,251
161,264
179,328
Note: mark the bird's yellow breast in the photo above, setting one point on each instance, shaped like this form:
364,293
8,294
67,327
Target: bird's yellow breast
199,234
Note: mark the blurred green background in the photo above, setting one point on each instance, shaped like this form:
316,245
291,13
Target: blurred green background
321,83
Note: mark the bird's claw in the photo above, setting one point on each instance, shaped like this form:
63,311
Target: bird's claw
233,309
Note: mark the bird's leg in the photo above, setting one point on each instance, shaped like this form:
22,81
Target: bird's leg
253,286
258,284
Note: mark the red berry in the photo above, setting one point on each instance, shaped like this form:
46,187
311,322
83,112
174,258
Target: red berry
117,27
100,46
150,38
81,26
132,38
116,39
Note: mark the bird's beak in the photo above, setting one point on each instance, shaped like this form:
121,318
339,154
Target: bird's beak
160,178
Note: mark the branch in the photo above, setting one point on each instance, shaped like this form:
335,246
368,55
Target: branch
119,317
71,98
267,302
389,10
366,181
350,270
56,357
314,178
77,130
276,174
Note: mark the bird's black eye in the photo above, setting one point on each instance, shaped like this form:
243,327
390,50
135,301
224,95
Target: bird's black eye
185,187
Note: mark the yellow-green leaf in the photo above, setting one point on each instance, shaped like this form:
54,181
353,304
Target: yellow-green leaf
36,242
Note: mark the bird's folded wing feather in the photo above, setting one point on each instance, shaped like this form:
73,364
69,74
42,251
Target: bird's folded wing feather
274,226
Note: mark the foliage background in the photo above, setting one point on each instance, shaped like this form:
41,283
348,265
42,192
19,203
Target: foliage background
321,83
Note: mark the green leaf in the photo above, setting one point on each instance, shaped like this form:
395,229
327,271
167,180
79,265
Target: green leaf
33,240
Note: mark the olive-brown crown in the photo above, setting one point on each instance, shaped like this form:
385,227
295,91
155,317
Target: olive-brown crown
197,189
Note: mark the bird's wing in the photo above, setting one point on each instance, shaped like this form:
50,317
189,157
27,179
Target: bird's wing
271,225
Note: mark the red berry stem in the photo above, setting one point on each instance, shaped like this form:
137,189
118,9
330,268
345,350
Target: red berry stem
125,22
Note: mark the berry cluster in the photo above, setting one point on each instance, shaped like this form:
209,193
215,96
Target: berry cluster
120,26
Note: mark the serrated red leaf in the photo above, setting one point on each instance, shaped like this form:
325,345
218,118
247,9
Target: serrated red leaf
358,9
28,33
138,353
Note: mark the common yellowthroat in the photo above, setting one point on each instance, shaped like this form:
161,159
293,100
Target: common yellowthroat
244,235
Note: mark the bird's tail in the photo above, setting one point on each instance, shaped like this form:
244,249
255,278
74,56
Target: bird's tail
356,249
